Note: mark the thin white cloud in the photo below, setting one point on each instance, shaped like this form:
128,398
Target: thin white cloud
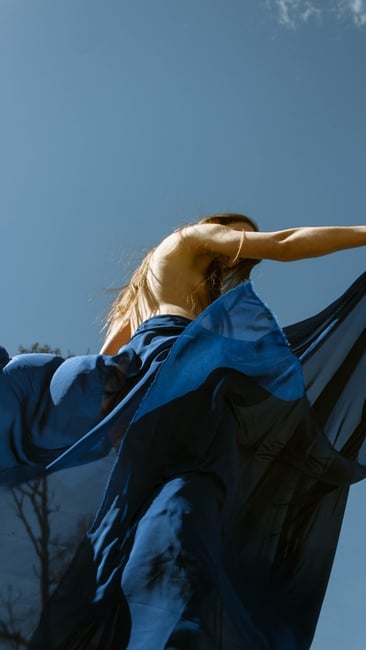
291,13
285,8
356,9
310,13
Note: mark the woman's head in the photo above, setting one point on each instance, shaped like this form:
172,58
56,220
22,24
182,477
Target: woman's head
229,218
220,276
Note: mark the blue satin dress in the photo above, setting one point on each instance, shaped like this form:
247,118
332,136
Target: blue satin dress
237,446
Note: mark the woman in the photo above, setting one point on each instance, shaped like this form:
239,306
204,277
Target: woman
173,278
220,520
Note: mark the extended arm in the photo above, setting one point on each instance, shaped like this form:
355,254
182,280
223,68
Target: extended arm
281,245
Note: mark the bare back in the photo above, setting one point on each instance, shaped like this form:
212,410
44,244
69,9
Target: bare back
176,280
177,277
178,267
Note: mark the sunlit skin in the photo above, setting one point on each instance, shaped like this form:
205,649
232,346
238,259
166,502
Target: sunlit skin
179,265
180,261
177,268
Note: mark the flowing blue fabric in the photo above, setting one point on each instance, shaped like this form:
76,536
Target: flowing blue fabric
237,445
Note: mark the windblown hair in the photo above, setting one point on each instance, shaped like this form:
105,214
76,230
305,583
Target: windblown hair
218,279
127,299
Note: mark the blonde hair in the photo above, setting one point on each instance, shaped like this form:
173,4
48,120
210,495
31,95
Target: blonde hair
218,278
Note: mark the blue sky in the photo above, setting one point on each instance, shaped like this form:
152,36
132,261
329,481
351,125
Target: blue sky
121,120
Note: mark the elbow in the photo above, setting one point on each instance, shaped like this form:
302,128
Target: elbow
283,251
290,247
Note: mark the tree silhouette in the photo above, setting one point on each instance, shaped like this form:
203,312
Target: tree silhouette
34,504
11,623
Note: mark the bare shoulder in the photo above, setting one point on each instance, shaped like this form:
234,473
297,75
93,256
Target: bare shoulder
199,234
176,247
211,239
170,245
208,239
204,241
190,239
196,245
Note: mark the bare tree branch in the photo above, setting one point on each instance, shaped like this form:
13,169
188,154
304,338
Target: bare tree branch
33,505
9,630
19,504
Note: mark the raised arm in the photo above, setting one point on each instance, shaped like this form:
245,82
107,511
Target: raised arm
282,245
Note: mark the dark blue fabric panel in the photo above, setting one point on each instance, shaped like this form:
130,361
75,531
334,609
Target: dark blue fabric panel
220,520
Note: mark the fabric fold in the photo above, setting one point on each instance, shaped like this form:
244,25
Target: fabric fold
237,444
